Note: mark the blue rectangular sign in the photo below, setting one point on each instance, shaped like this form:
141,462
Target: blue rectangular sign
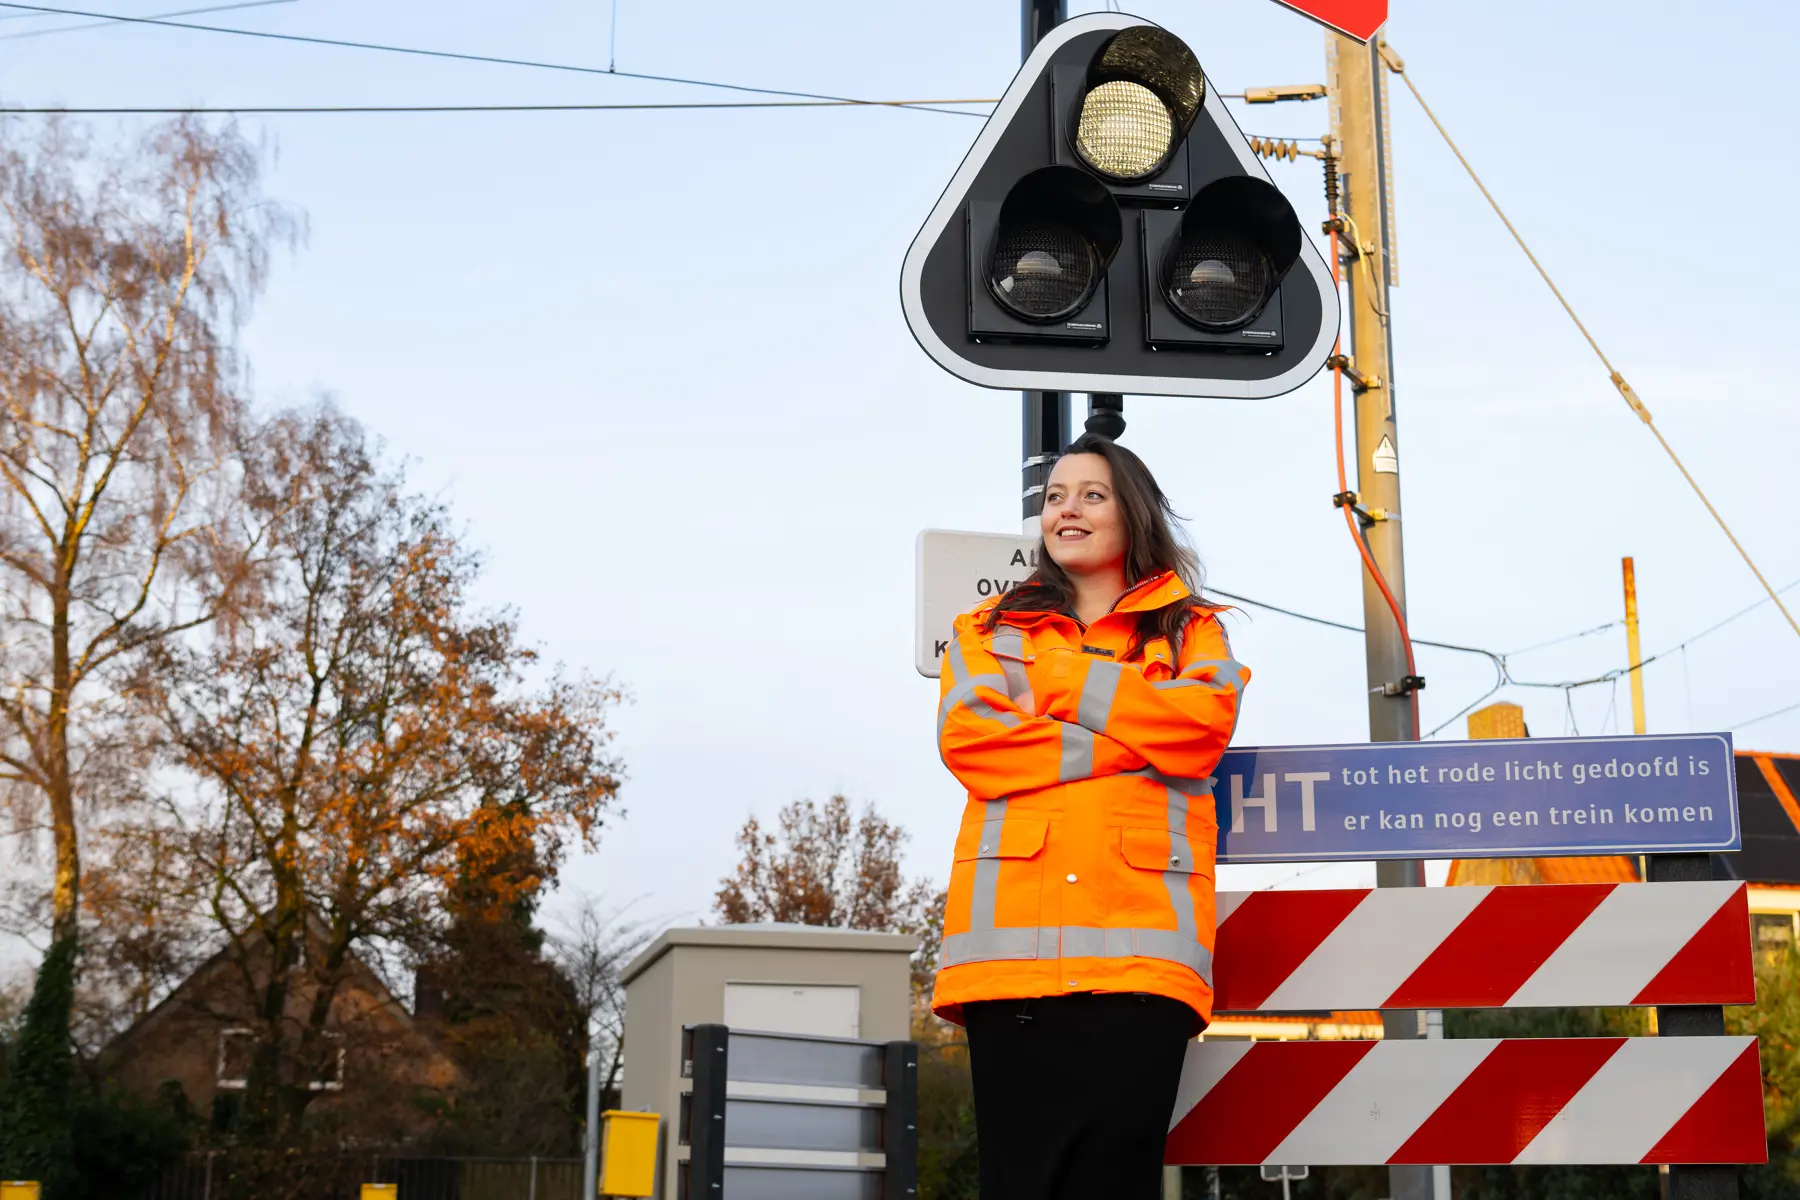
1488,799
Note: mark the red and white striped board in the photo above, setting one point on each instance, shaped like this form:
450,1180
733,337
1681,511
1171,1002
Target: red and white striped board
1471,1101
1564,945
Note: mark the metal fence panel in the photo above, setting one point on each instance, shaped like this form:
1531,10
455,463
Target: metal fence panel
801,1183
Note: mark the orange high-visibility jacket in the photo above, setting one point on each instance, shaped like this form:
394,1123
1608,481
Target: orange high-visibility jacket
1085,858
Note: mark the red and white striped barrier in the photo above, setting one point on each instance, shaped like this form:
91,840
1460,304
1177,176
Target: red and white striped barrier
1567,945
1471,1101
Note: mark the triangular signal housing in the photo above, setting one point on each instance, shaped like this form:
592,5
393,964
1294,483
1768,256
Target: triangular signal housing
1115,346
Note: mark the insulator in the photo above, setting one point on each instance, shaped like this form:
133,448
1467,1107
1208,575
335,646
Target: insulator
1276,148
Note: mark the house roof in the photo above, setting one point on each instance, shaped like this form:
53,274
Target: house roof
361,975
1768,787
1770,814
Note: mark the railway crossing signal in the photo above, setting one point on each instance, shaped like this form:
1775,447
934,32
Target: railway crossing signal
1112,231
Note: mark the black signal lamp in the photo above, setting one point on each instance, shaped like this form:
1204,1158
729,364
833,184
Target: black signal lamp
1213,270
1126,115
1111,231
1038,259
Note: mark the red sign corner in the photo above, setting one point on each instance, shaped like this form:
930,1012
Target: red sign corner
1353,18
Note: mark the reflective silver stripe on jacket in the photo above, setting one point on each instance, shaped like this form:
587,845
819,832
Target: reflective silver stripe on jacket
1077,753
1187,787
1009,649
1077,941
1226,666
986,892
1097,690
964,693
1181,867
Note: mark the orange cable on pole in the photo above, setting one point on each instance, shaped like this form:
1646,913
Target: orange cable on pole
1362,546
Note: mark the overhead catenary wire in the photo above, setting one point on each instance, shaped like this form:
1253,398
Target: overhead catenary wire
1631,398
180,12
1778,712
1569,637
1499,659
461,56
273,109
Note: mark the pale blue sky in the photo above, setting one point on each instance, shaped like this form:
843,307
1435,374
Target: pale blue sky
657,363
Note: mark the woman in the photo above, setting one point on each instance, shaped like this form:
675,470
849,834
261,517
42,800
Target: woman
1084,711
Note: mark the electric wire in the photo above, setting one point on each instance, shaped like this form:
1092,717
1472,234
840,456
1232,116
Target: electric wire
1687,687
276,109
458,56
180,12
1754,720
1566,638
1618,380
1501,661
1344,625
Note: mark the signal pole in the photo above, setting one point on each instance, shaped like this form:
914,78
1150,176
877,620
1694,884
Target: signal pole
1044,416
1357,85
1634,648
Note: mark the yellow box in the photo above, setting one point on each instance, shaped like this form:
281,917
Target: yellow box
18,1190
628,1153
380,1191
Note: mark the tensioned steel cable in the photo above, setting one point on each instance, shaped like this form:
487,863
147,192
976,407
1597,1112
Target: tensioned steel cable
1753,720
180,12
418,52
246,109
1503,667
1631,398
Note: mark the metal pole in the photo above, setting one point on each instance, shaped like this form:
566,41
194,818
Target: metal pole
1044,416
900,1140
1635,653
1710,1181
590,1138
1632,646
1358,95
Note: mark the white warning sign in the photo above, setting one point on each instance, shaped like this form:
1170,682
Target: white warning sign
957,571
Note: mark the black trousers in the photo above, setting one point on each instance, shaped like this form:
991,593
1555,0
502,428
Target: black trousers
1073,1093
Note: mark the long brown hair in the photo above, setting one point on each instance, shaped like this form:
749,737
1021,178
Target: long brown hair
1154,544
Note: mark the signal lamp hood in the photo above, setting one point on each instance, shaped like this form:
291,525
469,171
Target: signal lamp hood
1059,229
1144,89
1239,239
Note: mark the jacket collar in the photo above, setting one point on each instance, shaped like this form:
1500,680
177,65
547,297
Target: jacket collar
1147,595
1159,591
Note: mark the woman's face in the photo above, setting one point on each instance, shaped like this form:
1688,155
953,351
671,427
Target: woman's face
1084,530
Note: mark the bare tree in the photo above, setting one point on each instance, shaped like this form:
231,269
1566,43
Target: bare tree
122,282
364,746
594,946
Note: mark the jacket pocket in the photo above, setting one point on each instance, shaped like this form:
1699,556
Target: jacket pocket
1159,850
1008,837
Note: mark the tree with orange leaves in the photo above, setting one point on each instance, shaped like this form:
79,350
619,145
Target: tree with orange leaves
354,748
824,867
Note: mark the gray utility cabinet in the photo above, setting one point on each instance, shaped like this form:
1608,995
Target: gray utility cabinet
807,982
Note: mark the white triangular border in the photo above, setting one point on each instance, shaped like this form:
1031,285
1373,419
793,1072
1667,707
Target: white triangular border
950,203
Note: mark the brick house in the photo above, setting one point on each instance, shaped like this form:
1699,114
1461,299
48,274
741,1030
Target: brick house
380,1076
